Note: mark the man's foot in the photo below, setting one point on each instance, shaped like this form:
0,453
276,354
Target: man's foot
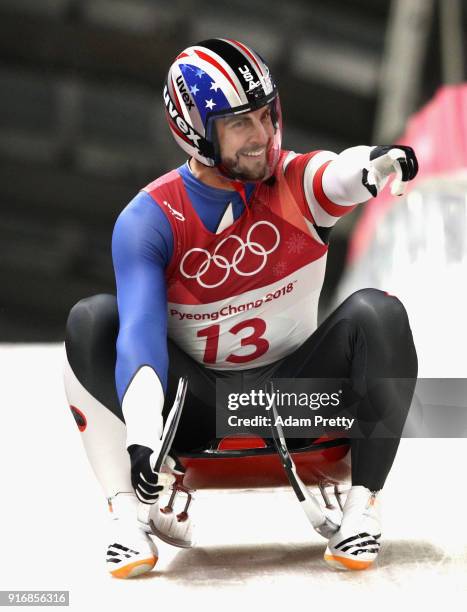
131,551
356,545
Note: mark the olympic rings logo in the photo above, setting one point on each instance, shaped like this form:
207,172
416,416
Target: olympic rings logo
221,262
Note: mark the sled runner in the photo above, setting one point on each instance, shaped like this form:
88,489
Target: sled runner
241,462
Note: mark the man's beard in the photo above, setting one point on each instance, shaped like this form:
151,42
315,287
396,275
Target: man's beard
241,172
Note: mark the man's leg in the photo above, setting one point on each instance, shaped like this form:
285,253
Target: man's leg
90,345
91,335
367,340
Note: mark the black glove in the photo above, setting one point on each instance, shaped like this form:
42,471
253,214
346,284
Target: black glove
146,482
385,160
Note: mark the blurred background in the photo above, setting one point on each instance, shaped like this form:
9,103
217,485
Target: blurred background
82,126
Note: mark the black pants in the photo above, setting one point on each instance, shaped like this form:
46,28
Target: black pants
367,337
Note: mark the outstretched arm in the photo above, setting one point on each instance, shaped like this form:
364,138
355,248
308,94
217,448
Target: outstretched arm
334,184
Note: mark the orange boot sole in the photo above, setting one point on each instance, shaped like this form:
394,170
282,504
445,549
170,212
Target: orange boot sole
346,564
135,569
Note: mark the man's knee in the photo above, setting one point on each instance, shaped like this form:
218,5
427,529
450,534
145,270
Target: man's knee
91,328
90,314
376,307
385,325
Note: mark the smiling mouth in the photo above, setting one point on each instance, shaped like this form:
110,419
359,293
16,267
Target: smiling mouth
255,154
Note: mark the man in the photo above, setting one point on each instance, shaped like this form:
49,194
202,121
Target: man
240,219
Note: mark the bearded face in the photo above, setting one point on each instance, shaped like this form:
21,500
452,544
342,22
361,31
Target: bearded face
245,141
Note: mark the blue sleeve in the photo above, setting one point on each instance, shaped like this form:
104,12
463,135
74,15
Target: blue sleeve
142,245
